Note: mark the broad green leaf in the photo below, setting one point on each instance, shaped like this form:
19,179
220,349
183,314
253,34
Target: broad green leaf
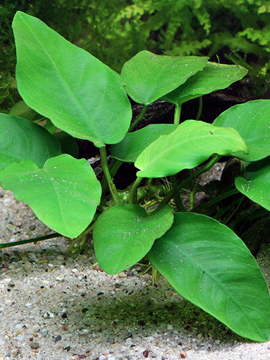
256,183
124,234
76,91
148,77
213,77
20,139
210,266
134,143
63,194
252,121
188,146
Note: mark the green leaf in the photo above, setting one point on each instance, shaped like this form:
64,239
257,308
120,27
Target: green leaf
256,183
63,194
213,77
76,91
134,143
188,146
20,139
210,266
148,77
124,234
252,122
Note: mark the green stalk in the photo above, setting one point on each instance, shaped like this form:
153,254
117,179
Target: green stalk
199,113
133,191
185,182
177,198
177,114
191,197
139,118
81,238
22,242
105,167
113,168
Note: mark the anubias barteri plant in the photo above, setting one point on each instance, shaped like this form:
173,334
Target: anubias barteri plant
203,259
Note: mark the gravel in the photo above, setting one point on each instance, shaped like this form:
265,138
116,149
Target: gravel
58,307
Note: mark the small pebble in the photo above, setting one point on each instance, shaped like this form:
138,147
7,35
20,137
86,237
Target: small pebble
48,315
122,275
183,354
34,345
11,284
15,352
32,257
35,328
11,228
27,266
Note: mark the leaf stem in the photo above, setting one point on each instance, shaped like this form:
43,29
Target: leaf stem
199,113
80,237
177,114
177,198
139,118
22,242
133,191
191,196
185,182
105,167
113,168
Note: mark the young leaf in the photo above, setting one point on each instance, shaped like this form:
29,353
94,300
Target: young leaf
188,146
213,77
124,234
63,194
148,77
252,122
76,91
134,143
211,267
256,183
21,139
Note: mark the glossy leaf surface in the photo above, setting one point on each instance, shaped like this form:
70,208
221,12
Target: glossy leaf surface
148,77
63,194
124,234
188,146
211,267
20,139
256,183
134,143
76,91
213,77
252,121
